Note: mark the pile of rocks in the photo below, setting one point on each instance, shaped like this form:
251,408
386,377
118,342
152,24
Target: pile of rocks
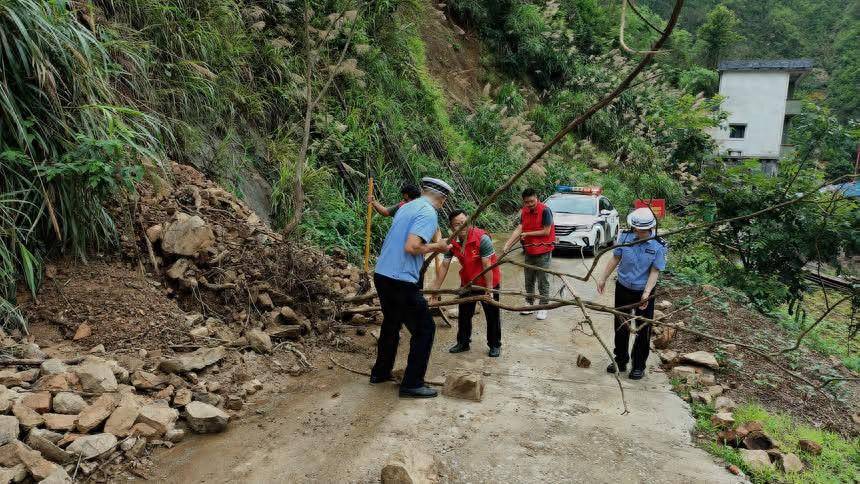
758,450
63,417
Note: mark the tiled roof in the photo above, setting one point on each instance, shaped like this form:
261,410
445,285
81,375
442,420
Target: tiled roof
766,65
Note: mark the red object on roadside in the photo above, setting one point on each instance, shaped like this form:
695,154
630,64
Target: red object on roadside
658,206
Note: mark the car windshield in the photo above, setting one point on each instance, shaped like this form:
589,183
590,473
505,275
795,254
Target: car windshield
580,205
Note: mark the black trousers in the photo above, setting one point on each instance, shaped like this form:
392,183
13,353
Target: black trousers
625,297
403,304
494,323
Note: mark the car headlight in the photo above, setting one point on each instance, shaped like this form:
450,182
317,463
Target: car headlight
585,227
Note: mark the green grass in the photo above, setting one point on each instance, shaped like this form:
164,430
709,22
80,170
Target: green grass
831,336
839,460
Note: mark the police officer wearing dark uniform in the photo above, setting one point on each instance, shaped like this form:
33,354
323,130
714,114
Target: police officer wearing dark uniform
639,267
396,278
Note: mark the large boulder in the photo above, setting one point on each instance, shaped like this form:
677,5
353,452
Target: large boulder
203,418
38,401
756,459
69,403
187,235
465,385
722,420
17,452
92,446
144,380
96,413
48,449
8,429
259,341
60,422
54,366
123,418
96,376
197,360
158,416
410,466
701,358
27,417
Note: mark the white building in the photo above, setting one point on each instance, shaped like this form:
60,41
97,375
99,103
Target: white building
759,101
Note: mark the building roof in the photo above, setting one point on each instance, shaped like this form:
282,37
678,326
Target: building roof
766,65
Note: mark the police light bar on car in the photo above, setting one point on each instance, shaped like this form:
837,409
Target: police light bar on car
580,190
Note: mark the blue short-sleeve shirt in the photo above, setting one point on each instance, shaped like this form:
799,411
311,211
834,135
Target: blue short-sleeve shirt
637,260
417,217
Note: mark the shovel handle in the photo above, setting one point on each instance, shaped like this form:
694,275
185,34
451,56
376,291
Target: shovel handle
367,228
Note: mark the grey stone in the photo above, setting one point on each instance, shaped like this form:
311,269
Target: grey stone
197,360
203,418
410,466
701,358
756,459
465,385
49,449
91,446
96,377
69,403
187,235
259,341
8,429
54,366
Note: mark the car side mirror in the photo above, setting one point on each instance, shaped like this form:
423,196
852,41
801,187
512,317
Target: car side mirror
605,212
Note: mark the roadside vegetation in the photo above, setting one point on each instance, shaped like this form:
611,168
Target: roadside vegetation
839,460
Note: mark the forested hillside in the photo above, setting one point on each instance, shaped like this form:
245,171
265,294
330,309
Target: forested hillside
828,31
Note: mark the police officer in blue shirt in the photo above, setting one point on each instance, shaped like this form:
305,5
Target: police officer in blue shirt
396,278
639,267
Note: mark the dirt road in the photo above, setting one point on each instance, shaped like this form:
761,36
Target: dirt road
541,419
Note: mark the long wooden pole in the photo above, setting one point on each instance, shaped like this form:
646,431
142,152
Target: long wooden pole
367,226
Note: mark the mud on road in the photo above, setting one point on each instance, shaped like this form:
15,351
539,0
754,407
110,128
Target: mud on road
542,418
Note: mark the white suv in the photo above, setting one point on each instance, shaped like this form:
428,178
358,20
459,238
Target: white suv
584,219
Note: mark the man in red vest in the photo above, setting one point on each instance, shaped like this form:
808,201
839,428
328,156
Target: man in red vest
474,249
536,231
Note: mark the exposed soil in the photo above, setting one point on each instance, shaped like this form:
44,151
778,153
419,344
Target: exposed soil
124,308
453,58
752,378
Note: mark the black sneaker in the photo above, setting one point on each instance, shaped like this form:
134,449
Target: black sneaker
622,367
459,348
636,374
380,379
495,352
420,392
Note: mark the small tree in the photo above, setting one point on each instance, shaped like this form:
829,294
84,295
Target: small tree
715,38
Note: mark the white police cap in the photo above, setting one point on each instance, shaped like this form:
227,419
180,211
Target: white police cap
642,218
436,185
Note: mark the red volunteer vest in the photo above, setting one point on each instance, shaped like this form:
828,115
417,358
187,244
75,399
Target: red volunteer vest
470,259
532,222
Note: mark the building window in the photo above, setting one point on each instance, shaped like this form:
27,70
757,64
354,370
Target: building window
737,131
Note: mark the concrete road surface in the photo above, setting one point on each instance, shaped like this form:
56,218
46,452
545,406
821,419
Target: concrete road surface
542,419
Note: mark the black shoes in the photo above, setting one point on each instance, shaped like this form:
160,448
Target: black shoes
459,348
380,379
420,392
622,367
495,352
636,374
